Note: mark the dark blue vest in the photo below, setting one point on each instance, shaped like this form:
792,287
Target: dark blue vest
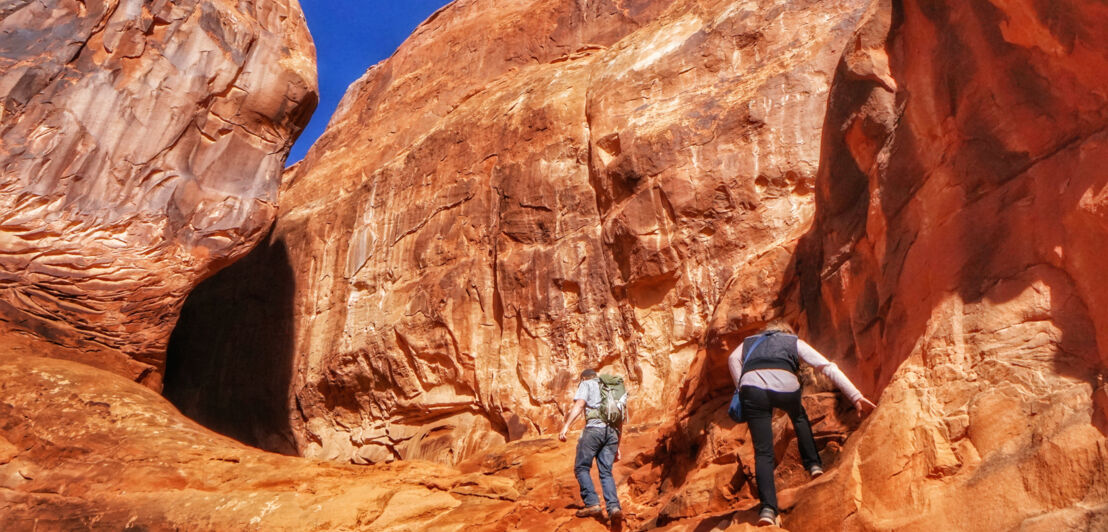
777,351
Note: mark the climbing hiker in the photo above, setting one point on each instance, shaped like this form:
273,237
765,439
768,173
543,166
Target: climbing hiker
764,369
603,400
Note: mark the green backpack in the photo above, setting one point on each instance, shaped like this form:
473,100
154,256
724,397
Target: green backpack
610,410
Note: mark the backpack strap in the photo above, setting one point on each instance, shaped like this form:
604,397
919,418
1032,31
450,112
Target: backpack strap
753,347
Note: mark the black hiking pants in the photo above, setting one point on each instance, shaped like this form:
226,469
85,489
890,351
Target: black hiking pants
758,405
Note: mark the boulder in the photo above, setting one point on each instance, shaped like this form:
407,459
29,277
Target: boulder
141,149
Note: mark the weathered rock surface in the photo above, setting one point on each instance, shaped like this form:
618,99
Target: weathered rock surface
84,449
521,191
955,264
633,186
142,147
93,451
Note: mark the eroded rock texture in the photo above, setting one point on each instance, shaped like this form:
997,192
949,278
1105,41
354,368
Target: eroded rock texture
84,449
955,263
527,189
142,147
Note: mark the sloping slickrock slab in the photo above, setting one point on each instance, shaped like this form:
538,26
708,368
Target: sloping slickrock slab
84,449
958,252
90,450
526,189
141,147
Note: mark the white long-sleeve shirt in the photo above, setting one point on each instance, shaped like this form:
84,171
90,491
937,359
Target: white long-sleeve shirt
780,380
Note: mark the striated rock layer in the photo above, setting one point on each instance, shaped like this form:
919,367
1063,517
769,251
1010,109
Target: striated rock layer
524,190
630,185
954,263
446,290
141,147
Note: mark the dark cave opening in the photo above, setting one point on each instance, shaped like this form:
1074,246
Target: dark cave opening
229,361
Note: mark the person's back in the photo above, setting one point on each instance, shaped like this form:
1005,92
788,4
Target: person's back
764,370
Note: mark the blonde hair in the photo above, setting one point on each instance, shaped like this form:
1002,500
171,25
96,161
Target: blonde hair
780,324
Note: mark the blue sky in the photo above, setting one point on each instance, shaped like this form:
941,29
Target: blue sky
350,36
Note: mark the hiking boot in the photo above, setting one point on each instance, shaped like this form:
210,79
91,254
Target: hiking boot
815,471
590,511
768,517
615,515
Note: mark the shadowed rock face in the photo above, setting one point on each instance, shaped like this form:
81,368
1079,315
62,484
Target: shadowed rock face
527,189
956,264
142,144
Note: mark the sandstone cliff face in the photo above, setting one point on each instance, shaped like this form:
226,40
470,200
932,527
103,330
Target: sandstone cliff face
631,186
528,189
954,263
142,147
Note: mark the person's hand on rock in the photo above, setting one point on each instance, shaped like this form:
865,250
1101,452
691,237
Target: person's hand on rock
864,406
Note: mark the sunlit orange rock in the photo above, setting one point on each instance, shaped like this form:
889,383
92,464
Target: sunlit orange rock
954,265
141,147
521,191
526,189
82,448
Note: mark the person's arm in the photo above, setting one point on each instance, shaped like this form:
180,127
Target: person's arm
814,358
626,416
735,364
574,413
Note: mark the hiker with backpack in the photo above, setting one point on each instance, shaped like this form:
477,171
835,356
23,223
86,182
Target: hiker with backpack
603,400
764,369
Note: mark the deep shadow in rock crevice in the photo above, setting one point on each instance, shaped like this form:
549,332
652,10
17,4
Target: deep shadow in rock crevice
229,362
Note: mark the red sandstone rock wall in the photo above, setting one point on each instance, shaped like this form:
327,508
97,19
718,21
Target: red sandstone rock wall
944,253
955,264
528,189
142,146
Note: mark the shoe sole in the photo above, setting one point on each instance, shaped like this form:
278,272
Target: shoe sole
596,513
